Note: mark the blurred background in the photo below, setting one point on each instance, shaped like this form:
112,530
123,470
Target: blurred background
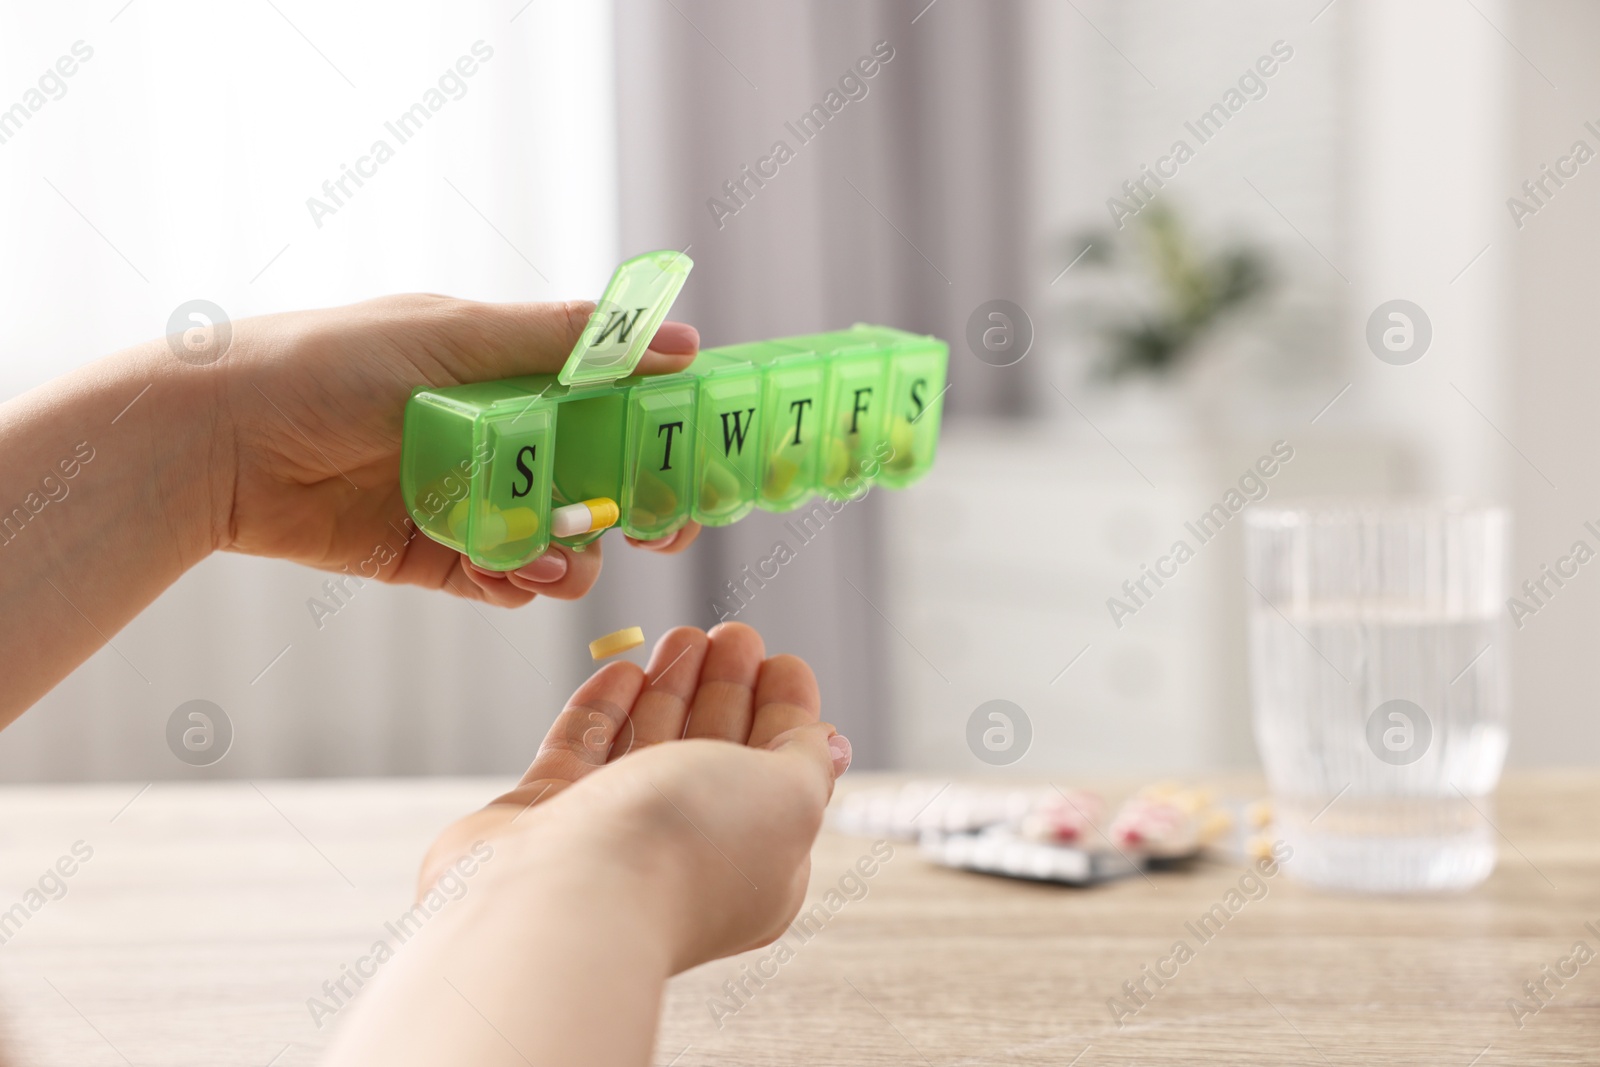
1132,327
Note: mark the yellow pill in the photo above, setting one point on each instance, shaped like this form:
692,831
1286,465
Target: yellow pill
521,523
838,463
902,439
617,643
653,501
1259,814
780,476
1191,801
497,527
457,520
1217,822
605,511
719,487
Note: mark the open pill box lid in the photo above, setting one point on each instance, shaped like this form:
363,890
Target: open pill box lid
635,302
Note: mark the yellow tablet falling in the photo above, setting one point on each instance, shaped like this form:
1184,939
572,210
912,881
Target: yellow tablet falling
617,643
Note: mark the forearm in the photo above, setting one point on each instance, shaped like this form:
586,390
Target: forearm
563,961
108,492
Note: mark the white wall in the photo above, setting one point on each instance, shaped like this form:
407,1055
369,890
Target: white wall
1552,379
1370,170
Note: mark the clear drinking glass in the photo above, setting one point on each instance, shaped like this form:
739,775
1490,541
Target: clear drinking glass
1378,663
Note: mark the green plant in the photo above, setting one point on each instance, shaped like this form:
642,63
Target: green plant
1186,293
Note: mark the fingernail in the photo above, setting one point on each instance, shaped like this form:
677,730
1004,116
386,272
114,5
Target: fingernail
839,745
550,567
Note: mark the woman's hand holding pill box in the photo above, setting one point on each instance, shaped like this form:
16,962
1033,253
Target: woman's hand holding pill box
310,443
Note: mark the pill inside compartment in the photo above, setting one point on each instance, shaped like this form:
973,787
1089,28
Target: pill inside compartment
436,468
658,455
471,460
915,405
856,389
727,442
588,462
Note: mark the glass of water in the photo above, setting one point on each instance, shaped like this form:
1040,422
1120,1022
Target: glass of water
1378,666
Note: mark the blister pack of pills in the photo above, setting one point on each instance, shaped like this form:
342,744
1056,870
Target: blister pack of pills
1042,833
1001,850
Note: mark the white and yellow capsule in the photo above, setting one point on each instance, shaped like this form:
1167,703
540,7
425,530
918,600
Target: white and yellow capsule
588,516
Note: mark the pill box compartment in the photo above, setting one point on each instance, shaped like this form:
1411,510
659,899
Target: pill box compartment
853,421
473,463
658,455
482,466
728,417
791,419
588,447
915,409
508,518
436,461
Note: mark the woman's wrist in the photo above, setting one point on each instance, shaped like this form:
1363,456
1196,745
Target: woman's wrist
192,456
115,477
602,857
556,950
635,859
162,452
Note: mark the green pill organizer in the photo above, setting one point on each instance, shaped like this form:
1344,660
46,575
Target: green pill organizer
766,424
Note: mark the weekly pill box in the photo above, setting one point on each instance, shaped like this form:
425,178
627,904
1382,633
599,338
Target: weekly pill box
768,424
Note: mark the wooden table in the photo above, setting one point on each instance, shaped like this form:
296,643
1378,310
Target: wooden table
209,914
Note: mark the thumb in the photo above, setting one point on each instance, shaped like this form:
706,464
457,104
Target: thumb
507,340
818,751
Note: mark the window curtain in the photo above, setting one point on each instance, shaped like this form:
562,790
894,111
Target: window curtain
898,197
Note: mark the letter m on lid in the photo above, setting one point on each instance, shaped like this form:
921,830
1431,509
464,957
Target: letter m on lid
625,320
618,323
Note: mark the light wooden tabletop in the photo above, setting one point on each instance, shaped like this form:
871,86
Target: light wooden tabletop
207,915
